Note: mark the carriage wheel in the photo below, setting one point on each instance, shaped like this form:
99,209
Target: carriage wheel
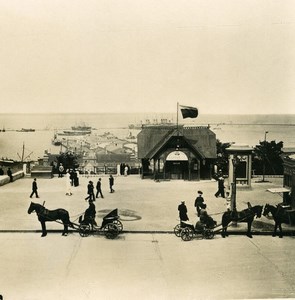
84,230
187,234
177,230
119,224
208,234
111,230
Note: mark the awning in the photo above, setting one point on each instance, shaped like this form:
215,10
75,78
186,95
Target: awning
279,190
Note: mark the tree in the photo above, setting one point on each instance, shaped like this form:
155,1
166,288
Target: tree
267,158
222,156
68,159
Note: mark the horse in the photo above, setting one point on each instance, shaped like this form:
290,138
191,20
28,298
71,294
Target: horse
279,215
46,215
245,216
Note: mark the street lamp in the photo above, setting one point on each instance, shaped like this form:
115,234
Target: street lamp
264,154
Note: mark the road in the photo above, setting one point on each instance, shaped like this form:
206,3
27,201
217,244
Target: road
145,266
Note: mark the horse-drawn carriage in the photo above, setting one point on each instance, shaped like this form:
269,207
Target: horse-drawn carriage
111,225
188,231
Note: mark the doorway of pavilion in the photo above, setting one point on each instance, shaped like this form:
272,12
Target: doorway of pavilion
176,166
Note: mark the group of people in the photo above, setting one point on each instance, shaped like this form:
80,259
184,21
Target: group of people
200,206
74,181
90,189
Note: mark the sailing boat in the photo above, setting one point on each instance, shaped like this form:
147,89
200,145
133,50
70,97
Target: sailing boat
23,157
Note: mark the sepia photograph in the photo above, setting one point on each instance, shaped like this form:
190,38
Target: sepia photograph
147,149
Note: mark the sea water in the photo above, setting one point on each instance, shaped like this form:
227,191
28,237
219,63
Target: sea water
241,129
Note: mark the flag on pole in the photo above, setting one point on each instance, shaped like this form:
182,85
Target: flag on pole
188,111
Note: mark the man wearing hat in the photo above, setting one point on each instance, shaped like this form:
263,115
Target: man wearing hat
199,202
90,191
183,211
221,188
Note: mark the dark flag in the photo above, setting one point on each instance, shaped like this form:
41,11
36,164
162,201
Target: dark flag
188,111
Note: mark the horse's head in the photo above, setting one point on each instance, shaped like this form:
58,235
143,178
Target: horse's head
266,210
258,210
31,207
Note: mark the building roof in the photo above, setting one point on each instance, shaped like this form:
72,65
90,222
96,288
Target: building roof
201,139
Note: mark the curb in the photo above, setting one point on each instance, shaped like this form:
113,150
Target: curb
263,233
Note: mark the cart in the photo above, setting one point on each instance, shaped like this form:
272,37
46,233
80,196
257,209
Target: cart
188,231
111,226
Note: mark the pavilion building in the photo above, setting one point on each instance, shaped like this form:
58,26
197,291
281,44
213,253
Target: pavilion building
177,152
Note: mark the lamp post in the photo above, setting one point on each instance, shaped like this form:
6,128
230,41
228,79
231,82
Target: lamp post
235,162
263,170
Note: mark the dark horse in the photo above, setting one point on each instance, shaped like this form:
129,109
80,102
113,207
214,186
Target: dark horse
279,215
46,215
245,216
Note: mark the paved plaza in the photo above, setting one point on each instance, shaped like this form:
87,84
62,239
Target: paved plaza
147,261
143,205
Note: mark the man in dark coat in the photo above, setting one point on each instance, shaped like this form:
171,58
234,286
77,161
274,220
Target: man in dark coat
98,188
111,180
220,188
90,191
199,202
183,211
89,216
34,189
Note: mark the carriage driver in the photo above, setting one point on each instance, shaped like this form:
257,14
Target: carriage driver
89,216
205,218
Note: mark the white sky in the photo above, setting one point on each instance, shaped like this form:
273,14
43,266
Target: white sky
146,55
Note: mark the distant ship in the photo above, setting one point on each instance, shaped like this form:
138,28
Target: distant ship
26,130
149,122
77,130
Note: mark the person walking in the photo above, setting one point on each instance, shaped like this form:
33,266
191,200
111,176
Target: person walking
90,191
68,184
111,181
34,188
183,211
9,173
199,202
221,188
98,188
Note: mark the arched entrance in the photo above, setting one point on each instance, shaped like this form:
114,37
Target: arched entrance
176,166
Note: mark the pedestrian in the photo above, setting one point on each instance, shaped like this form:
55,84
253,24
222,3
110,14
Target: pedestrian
199,202
72,177
1,171
34,188
60,170
90,191
111,181
9,173
126,170
98,188
76,177
220,188
183,211
68,184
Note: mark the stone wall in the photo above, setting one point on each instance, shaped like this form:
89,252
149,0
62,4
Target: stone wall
4,179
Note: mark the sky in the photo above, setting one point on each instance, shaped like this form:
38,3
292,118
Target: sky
121,56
